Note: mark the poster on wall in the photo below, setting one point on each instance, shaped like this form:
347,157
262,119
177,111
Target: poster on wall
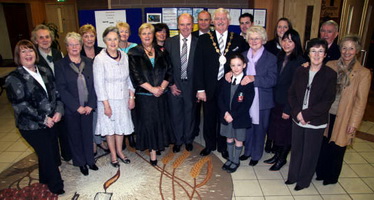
169,17
105,19
195,14
250,11
234,14
153,18
184,10
260,18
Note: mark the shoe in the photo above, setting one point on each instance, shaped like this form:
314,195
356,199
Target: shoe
115,163
288,182
205,152
125,160
104,149
278,165
319,178
297,188
244,157
93,167
84,170
225,154
273,159
253,162
233,167
176,148
153,162
58,192
132,142
226,165
327,182
95,154
189,147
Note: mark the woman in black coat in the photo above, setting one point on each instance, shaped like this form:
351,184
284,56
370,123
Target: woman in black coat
280,129
37,108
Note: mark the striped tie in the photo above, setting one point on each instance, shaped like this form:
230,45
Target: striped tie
184,59
221,69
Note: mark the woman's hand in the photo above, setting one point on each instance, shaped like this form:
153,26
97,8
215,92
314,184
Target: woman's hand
56,117
108,111
131,103
351,130
88,110
49,122
157,91
228,117
228,76
305,65
285,116
81,110
247,79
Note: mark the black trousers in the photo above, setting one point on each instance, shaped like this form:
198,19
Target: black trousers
79,129
42,141
62,140
331,157
306,145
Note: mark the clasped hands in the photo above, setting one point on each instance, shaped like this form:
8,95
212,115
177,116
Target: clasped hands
50,121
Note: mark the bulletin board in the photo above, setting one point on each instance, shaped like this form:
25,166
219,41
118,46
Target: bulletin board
133,18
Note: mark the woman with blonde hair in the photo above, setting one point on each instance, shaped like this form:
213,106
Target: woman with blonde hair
124,32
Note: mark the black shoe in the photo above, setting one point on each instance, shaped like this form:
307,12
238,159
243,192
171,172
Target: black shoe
153,162
115,164
132,142
273,159
93,167
244,157
288,182
233,167
176,148
253,162
226,165
279,164
297,188
84,170
104,149
225,154
327,182
189,147
205,152
125,160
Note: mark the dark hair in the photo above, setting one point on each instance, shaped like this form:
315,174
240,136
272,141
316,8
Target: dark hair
246,15
27,44
160,27
298,50
276,26
316,42
238,55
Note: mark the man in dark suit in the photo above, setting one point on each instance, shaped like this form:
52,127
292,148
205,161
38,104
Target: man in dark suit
245,21
203,20
42,37
212,51
181,49
329,31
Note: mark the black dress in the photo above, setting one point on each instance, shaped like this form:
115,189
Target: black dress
152,121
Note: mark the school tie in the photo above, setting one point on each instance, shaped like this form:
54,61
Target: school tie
234,82
221,69
49,58
184,59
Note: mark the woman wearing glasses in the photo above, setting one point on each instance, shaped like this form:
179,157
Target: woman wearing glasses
310,96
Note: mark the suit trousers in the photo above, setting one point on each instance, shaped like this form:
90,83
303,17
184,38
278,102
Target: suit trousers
255,136
306,145
62,140
182,112
80,135
331,157
42,142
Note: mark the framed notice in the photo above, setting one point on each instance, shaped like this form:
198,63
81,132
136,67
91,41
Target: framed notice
105,19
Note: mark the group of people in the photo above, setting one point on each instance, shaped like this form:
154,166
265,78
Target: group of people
310,104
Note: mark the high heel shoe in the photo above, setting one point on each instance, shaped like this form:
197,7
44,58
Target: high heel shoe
115,163
153,162
125,160
104,149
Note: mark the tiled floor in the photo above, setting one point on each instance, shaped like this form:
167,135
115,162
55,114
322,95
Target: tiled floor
250,183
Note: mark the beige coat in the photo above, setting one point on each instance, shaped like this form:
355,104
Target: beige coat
352,104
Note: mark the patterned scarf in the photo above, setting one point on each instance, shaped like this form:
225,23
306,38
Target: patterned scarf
81,83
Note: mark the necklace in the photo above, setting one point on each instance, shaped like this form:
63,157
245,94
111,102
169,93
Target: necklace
222,58
149,53
114,58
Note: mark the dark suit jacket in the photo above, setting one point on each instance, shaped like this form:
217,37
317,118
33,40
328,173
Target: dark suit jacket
284,81
56,55
333,53
30,101
266,78
142,71
239,109
172,45
66,81
271,46
207,61
321,96
97,51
